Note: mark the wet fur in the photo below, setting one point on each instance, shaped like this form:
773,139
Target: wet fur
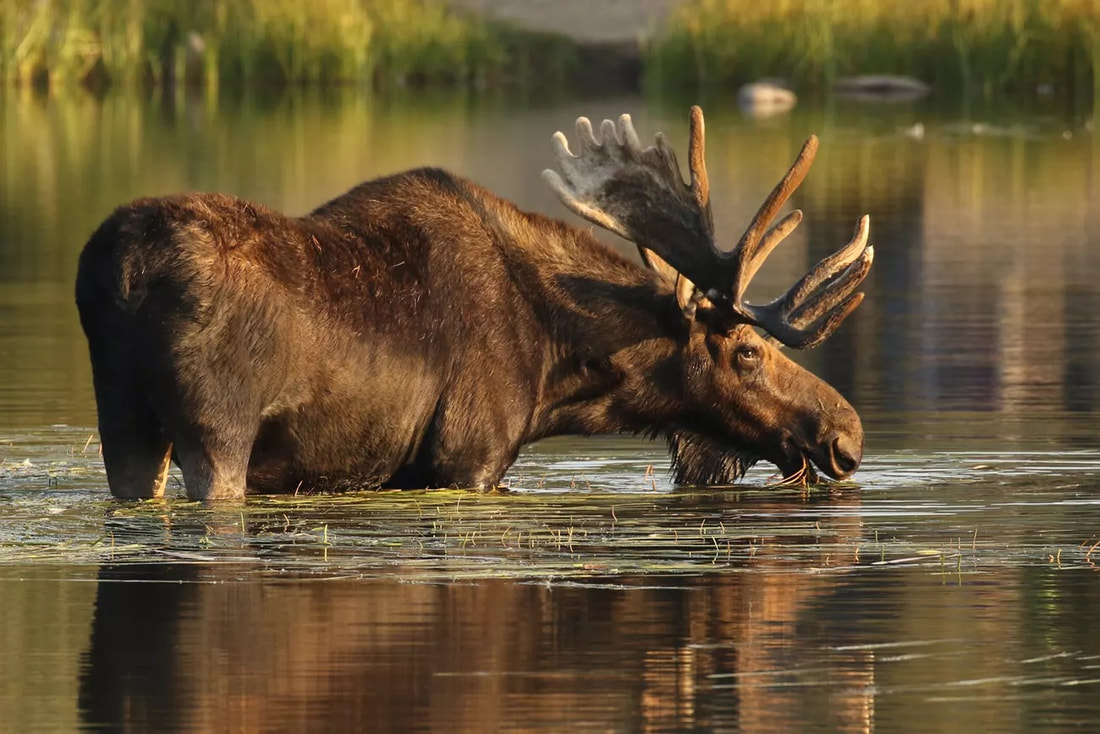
701,461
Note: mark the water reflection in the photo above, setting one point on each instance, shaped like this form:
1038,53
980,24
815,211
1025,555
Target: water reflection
210,647
950,593
808,631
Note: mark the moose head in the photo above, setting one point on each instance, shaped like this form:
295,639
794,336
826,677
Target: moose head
742,399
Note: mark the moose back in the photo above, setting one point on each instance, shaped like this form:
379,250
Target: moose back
418,331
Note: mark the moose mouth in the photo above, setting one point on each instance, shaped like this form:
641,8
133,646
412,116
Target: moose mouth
700,460
797,463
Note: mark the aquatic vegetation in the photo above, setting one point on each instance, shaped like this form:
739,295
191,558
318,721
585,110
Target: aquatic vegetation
426,535
983,46
251,41
608,519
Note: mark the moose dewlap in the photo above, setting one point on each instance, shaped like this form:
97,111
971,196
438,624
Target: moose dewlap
418,330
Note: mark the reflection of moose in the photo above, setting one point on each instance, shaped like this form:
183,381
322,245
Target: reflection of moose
417,331
221,653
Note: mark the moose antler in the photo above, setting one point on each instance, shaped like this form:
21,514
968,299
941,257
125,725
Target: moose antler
824,295
640,194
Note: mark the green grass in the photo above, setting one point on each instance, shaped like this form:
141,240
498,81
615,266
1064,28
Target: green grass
158,42
986,47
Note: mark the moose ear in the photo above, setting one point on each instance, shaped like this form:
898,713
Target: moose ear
688,297
657,264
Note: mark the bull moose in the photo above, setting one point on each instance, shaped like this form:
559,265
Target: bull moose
417,331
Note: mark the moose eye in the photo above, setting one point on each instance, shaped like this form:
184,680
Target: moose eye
747,354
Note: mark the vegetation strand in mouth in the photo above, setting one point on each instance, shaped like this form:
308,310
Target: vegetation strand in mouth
804,476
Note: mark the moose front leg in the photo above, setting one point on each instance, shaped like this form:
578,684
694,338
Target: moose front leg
483,478
482,473
473,464
476,435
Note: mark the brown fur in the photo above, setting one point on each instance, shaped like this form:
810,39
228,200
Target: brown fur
416,331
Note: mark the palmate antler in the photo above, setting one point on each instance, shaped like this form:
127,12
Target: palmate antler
640,194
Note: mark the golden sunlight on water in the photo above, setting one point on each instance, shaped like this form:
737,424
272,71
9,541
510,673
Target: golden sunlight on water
949,591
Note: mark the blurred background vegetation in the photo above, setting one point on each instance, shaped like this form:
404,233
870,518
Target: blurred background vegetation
217,42
984,47
972,46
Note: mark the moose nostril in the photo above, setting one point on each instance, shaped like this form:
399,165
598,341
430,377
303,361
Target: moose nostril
847,453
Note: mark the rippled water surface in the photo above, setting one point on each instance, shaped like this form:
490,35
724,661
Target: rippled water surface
950,587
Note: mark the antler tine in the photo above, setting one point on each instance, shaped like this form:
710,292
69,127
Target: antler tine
826,328
629,135
775,235
830,266
826,299
585,136
609,137
748,253
700,184
788,317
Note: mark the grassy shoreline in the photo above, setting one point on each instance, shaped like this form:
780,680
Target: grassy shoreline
988,48
974,47
283,42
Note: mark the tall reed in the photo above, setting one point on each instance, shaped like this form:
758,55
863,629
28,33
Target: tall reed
218,41
983,46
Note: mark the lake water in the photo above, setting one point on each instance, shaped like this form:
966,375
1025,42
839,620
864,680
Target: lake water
950,587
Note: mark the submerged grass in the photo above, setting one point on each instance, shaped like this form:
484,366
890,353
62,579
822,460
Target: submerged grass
213,42
950,515
445,534
973,46
547,537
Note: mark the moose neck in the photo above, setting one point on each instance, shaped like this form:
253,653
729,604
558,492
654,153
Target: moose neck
615,335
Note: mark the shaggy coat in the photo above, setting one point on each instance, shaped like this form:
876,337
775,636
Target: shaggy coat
414,332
